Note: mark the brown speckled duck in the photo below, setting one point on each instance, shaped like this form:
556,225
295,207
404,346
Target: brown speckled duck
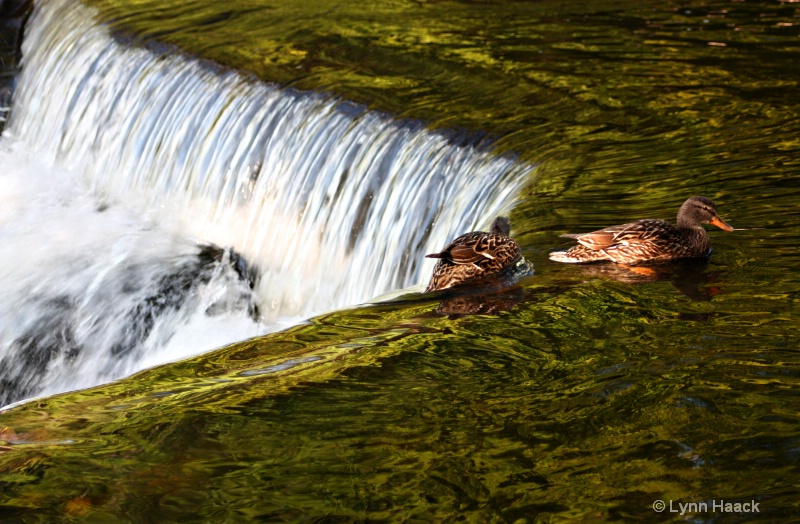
649,240
475,255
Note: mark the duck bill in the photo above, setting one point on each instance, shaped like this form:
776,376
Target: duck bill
717,221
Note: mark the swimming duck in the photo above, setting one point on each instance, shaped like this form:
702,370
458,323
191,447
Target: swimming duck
474,256
650,240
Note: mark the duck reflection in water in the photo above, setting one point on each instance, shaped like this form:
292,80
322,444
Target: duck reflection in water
689,276
462,302
480,271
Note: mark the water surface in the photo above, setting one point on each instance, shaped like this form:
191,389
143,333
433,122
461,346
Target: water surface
587,393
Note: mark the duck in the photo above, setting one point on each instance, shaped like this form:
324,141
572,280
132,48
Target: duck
649,240
474,256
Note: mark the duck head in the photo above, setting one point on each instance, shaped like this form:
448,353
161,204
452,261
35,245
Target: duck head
501,226
699,210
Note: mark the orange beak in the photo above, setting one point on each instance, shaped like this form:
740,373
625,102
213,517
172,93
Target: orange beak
717,221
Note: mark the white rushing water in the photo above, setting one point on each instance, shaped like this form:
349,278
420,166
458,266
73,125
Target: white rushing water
118,161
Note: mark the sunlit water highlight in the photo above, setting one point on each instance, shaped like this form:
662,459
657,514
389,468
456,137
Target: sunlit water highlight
140,156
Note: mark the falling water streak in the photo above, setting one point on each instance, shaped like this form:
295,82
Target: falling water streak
276,174
331,203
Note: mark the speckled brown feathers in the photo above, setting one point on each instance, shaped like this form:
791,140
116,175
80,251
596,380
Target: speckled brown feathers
649,240
473,256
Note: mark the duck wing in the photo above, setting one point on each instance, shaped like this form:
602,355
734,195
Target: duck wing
623,234
467,249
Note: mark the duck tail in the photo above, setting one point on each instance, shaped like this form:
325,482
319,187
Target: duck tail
435,255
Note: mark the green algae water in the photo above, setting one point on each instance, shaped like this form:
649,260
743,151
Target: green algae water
585,393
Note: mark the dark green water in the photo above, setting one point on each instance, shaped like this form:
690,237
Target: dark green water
587,393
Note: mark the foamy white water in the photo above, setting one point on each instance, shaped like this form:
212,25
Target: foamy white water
331,203
79,279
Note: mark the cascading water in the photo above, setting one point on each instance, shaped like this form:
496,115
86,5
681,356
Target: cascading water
141,156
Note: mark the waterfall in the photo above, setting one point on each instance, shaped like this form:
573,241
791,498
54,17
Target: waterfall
134,160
